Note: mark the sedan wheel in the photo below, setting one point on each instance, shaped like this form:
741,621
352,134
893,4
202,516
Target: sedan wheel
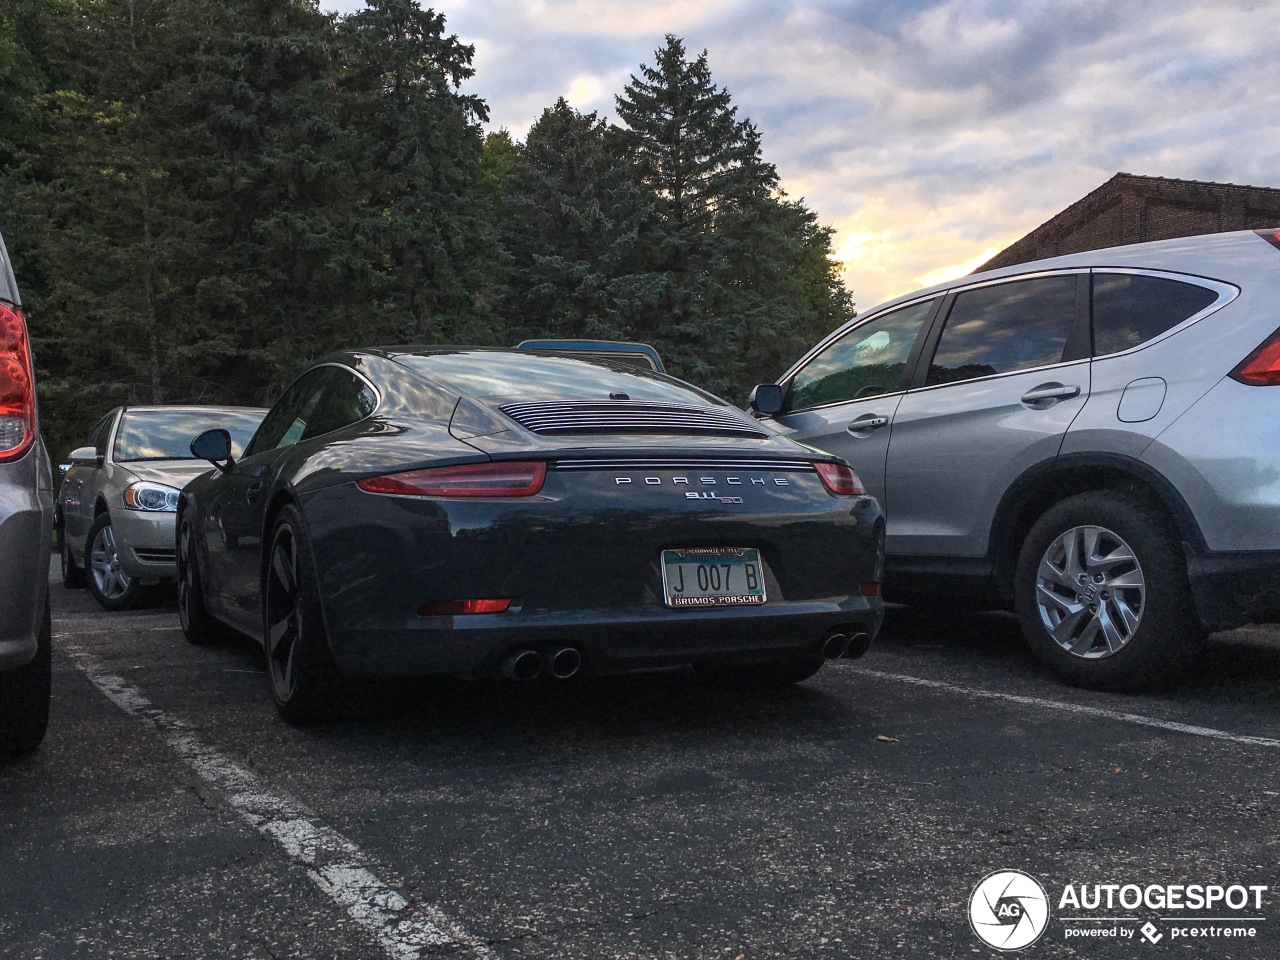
304,682
1101,590
110,585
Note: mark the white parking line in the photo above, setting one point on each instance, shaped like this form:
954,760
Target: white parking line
335,864
1076,708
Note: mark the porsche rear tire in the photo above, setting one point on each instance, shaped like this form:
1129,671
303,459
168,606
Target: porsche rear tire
305,683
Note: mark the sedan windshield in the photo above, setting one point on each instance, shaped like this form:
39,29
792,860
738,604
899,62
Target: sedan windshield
167,434
492,373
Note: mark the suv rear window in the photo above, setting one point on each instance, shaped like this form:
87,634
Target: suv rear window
1129,309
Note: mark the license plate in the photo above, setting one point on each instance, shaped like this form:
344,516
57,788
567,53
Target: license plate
712,578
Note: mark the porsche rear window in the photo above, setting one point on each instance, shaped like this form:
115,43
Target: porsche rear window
483,373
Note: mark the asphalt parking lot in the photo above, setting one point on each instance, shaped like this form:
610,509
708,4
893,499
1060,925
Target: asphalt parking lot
171,814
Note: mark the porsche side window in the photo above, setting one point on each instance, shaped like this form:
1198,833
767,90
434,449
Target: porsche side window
1005,327
1129,309
280,426
868,361
343,399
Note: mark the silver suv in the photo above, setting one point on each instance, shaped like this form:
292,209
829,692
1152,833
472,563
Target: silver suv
1090,440
26,521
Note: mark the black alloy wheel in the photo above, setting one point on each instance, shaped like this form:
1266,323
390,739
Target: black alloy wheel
305,684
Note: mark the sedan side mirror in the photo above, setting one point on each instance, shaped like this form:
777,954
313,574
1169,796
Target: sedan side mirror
766,398
85,455
215,446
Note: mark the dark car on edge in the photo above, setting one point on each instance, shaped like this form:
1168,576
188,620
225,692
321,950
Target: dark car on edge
418,511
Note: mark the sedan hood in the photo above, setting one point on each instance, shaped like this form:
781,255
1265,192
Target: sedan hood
172,473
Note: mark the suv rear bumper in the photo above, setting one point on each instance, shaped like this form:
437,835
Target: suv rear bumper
26,519
1232,589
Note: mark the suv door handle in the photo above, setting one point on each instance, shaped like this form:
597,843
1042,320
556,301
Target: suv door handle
867,422
1050,391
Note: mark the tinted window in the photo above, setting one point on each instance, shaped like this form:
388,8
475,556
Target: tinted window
322,400
167,434
867,362
482,373
1129,310
1010,326
99,434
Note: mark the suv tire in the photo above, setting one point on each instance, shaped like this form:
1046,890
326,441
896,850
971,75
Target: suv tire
1105,572
24,696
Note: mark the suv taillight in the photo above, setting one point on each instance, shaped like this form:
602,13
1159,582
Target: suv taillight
1262,367
17,386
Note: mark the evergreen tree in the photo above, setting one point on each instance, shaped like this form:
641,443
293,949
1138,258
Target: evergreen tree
425,224
571,214
747,276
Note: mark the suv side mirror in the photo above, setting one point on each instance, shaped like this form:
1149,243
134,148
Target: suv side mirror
215,446
766,398
84,455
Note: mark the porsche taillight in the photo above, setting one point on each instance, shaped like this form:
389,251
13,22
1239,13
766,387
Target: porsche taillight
17,386
839,479
522,478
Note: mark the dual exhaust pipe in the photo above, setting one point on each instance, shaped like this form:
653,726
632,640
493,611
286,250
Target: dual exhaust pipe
561,663
849,646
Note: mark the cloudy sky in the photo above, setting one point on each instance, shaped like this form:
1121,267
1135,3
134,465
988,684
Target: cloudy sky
929,133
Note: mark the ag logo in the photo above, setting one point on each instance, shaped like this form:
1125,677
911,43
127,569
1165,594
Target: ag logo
1008,910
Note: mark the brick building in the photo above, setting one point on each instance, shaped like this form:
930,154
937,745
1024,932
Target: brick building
1130,209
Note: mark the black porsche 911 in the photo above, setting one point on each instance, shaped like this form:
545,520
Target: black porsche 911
414,511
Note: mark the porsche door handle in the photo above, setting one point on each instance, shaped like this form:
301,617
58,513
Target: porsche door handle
1050,391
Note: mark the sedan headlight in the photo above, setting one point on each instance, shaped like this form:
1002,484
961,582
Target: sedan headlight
151,497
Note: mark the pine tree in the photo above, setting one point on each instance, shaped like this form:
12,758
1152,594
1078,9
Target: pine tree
425,223
747,278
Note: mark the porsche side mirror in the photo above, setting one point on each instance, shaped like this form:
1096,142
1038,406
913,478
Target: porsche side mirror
215,446
766,398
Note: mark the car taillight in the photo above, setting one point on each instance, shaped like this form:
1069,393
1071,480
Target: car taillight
1262,367
457,608
839,479
17,386
503,479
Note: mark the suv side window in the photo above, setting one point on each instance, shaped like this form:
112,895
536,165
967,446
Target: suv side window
1129,309
1005,327
868,361
323,399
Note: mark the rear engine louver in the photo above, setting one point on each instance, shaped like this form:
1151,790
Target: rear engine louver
621,416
